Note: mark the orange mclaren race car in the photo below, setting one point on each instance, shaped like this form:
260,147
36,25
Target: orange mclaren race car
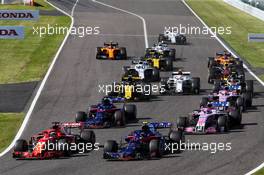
111,51
224,59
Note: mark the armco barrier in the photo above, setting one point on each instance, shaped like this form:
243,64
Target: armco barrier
247,8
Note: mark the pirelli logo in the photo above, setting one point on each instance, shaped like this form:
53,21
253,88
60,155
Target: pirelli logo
256,37
19,14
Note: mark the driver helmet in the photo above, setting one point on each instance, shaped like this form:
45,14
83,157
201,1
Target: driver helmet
145,128
106,101
53,134
180,72
130,80
209,105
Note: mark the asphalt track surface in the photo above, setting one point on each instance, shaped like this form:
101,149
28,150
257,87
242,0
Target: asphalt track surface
14,97
73,85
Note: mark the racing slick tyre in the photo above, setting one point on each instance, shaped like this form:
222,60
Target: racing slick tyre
88,136
222,124
196,85
155,74
130,111
172,53
210,62
210,79
217,86
168,64
148,75
204,102
64,147
177,137
239,64
110,146
182,122
181,40
155,148
99,54
119,118
123,53
80,117
161,37
235,117
247,99
240,102
21,146
250,87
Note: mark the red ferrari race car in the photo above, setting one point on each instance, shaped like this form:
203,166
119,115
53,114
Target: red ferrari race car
61,140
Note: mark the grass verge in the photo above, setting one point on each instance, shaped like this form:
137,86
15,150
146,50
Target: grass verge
9,125
260,172
26,60
217,13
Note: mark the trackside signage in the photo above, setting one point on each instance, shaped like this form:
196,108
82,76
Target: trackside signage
11,32
19,14
256,37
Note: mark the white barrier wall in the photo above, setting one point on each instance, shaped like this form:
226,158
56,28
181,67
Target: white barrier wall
247,8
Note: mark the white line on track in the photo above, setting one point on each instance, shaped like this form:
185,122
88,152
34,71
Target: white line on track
131,13
149,36
244,65
31,108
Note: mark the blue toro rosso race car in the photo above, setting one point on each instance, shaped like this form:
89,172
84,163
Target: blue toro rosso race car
146,143
106,114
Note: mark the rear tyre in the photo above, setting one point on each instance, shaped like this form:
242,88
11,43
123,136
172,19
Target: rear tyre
172,54
250,86
130,111
217,86
236,117
80,117
155,74
88,136
247,99
222,124
161,37
155,148
177,137
123,52
110,146
204,102
120,119
168,64
196,85
182,122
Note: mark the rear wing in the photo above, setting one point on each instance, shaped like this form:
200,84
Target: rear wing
159,125
234,87
117,99
220,104
72,125
183,73
223,54
111,44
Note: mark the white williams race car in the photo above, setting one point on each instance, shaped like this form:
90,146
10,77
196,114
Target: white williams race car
172,38
141,70
180,82
163,50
